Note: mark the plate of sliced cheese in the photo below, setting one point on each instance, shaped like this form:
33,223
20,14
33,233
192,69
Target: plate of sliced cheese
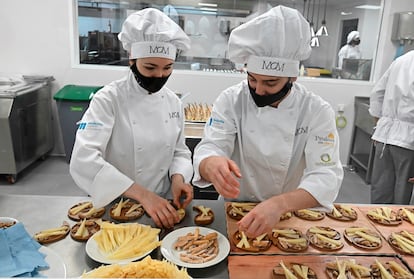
122,243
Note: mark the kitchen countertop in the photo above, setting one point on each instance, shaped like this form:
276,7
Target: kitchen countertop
43,212
38,212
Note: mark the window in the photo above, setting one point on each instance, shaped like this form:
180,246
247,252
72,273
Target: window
209,23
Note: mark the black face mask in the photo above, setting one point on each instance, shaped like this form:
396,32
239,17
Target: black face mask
355,42
265,100
152,84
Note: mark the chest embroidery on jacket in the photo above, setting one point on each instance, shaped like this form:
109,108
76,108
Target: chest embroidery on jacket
89,126
301,130
216,123
174,114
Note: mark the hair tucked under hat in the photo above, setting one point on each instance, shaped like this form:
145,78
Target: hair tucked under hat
273,43
151,33
353,35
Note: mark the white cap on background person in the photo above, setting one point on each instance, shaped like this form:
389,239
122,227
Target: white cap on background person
151,33
273,43
353,35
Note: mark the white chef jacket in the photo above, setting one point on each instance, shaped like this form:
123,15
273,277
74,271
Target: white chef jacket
277,149
392,101
126,136
348,51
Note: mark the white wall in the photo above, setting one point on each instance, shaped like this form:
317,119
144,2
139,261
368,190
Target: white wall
37,38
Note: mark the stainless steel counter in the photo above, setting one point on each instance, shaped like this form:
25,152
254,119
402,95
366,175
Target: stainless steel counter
42,212
26,127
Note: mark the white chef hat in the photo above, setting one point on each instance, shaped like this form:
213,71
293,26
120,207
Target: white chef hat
151,33
353,35
273,43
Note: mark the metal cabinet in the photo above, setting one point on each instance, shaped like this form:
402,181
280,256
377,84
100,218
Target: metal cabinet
362,148
26,128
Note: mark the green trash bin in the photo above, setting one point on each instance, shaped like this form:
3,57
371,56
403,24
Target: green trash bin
72,102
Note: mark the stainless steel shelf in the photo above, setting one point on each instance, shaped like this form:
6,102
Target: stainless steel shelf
362,148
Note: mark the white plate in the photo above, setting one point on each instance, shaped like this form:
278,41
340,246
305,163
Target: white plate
92,249
168,251
57,268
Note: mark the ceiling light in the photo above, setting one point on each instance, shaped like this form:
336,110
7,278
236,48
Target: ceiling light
323,30
346,13
368,7
315,42
208,9
207,4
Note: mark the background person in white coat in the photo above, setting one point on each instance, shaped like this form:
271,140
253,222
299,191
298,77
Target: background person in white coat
392,106
131,139
351,49
269,139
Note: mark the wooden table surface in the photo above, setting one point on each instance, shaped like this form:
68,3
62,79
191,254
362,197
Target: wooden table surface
259,264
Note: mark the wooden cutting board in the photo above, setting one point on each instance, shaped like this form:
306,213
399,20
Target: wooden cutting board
261,266
304,225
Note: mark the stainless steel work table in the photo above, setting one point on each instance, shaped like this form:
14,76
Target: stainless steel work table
42,212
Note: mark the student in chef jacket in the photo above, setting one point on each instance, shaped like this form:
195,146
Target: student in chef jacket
351,49
392,106
269,139
130,141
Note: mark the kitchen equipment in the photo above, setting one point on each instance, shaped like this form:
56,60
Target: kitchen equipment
403,27
26,126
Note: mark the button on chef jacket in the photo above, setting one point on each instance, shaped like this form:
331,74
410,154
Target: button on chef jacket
277,149
128,135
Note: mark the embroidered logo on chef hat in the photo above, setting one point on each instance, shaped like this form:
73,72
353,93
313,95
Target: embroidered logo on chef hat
254,43
151,33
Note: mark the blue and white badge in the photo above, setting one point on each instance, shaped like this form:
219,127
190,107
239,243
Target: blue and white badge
89,125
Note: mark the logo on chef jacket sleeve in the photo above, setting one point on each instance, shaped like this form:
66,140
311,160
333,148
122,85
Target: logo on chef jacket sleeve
89,126
325,160
325,140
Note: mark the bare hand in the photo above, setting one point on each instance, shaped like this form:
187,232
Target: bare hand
222,172
179,188
159,209
264,216
411,180
261,219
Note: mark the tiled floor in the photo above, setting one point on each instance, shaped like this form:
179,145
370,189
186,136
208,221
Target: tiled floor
51,177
